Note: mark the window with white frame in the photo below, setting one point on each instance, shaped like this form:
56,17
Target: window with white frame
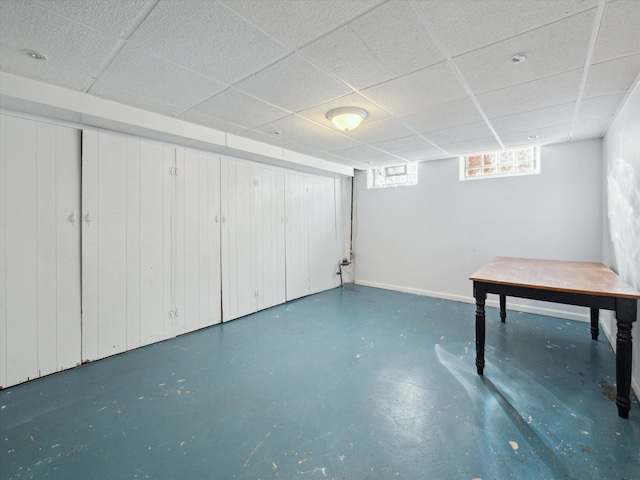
502,163
393,176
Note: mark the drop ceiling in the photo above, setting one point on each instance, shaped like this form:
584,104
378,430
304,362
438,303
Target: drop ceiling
435,76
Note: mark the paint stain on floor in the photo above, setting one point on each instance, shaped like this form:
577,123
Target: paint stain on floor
608,390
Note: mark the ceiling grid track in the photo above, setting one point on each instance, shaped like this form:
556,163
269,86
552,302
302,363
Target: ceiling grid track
423,18
587,63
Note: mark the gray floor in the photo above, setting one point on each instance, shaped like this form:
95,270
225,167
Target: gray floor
353,383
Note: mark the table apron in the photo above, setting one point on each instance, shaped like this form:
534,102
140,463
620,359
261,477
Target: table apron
569,298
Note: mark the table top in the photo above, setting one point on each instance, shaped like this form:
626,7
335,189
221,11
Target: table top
575,277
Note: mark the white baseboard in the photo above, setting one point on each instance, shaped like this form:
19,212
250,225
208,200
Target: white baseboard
511,304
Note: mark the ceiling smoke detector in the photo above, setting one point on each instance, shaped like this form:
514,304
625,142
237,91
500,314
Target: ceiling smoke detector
35,55
518,58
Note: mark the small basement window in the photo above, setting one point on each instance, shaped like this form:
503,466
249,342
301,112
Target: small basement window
503,163
393,176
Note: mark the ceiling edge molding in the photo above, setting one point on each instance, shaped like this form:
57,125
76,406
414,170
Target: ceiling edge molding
38,98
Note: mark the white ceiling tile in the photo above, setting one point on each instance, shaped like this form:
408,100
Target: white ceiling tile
266,137
318,113
75,53
598,107
612,76
546,135
208,38
463,25
332,142
236,107
296,22
404,144
618,35
423,154
387,42
527,121
471,131
345,55
125,97
459,112
427,87
293,84
361,153
594,128
293,129
144,74
546,92
380,161
198,118
114,17
388,129
490,67
305,149
471,146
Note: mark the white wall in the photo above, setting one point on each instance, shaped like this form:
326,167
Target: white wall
621,233
428,239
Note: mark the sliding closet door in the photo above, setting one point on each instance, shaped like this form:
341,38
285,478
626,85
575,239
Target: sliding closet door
311,234
238,295
127,192
297,235
323,238
39,248
268,242
198,240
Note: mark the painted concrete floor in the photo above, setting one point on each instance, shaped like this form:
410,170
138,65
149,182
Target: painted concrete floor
354,383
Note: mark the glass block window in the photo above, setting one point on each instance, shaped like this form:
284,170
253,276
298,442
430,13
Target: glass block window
393,176
503,163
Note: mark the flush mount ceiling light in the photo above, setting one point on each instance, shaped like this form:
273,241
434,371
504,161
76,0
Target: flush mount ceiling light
35,55
533,137
518,58
347,118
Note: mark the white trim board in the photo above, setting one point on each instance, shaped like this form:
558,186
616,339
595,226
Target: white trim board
518,307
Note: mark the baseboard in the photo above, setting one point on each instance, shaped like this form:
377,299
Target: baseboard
511,302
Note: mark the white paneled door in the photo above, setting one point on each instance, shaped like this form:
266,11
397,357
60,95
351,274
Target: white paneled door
151,242
126,250
237,288
198,287
312,254
323,236
297,235
39,248
253,231
268,237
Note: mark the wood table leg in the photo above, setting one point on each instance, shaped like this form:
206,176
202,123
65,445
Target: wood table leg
595,317
626,311
480,293
503,308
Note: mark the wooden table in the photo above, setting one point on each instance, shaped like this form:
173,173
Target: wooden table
575,283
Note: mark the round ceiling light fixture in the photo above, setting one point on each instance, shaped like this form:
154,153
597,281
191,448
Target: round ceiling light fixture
518,58
533,137
347,118
35,55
